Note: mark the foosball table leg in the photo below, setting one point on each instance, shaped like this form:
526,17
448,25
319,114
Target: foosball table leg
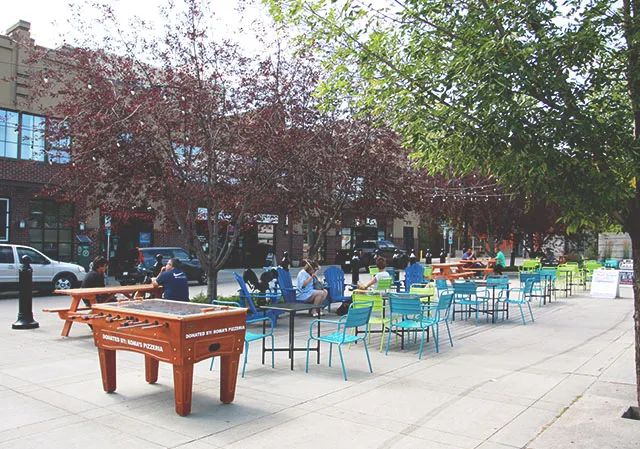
182,384
151,369
108,369
228,376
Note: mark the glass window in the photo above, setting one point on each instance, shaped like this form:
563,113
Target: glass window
180,254
4,219
50,229
6,254
36,258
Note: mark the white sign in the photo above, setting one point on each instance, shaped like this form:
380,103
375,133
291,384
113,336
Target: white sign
626,264
605,283
107,221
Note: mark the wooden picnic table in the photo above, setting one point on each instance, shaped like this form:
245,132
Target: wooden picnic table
83,314
451,270
487,269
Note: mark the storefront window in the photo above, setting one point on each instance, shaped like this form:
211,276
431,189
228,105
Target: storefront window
49,228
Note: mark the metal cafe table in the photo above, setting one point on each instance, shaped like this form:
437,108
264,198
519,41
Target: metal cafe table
291,308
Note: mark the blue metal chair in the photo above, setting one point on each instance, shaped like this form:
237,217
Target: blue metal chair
250,336
537,289
357,316
289,292
247,300
413,274
524,296
415,316
334,279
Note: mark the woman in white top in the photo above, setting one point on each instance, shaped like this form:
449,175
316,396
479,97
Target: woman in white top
382,274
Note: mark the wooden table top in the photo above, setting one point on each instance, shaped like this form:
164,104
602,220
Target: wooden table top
106,290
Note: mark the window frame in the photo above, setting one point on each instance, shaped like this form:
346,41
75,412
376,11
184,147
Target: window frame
5,237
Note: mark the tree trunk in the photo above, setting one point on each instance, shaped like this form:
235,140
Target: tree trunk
635,244
212,284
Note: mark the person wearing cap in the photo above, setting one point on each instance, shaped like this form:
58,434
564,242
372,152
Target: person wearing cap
157,267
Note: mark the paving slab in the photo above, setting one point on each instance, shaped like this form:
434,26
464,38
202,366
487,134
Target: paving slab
563,381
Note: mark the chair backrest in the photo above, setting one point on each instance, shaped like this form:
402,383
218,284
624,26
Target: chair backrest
611,263
444,305
334,278
591,265
498,281
286,286
358,315
384,284
373,270
441,283
535,277
466,288
365,296
413,274
527,290
404,304
548,273
428,271
422,289
245,296
530,265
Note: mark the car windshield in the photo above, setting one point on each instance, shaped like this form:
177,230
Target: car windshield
181,254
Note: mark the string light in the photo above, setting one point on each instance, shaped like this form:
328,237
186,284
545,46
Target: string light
45,78
89,86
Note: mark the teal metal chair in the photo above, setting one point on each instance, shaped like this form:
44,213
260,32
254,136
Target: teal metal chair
466,296
524,296
537,289
250,336
358,316
415,316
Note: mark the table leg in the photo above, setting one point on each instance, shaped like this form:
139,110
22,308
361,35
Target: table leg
318,344
228,376
292,318
182,384
108,369
151,369
264,331
66,328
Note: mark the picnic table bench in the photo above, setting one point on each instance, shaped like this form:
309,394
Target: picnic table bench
76,313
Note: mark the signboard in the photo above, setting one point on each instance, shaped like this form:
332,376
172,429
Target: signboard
626,272
605,283
107,221
144,238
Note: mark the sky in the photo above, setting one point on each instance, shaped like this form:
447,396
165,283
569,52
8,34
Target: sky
50,18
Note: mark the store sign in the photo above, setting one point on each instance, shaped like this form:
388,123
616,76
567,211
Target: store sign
144,238
605,283
267,218
626,272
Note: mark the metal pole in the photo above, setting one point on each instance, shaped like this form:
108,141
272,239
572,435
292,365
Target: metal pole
106,281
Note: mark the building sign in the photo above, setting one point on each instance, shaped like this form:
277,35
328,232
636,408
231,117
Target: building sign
267,218
145,238
605,283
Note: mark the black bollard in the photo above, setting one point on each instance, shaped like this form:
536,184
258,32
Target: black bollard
286,261
25,312
412,258
355,268
443,257
428,257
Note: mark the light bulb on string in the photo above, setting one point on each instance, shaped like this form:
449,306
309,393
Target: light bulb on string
182,98
164,96
118,144
141,123
93,158
45,79
89,85
133,92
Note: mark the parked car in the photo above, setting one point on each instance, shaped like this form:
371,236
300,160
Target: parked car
48,274
367,252
147,258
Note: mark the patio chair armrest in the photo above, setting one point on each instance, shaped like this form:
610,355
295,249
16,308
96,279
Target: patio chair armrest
332,322
258,320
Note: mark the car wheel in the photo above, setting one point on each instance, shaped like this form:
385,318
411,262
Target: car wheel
64,282
202,278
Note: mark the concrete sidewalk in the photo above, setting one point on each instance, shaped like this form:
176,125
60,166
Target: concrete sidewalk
563,381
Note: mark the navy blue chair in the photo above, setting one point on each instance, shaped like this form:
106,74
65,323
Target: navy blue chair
247,299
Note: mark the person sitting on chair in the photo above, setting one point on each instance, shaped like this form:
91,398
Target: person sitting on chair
306,292
174,281
500,263
382,274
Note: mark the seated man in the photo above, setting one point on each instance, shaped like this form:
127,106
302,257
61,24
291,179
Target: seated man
95,278
174,281
500,263
470,256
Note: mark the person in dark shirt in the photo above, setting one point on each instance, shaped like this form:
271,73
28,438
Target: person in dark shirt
157,267
174,281
95,278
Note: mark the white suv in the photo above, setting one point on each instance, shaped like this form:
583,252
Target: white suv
48,274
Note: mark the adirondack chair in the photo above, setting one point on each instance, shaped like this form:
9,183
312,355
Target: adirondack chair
289,292
334,279
413,274
247,299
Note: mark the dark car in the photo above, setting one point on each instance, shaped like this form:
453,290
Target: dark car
368,250
147,258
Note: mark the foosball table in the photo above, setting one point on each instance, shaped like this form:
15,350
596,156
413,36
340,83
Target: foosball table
179,333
